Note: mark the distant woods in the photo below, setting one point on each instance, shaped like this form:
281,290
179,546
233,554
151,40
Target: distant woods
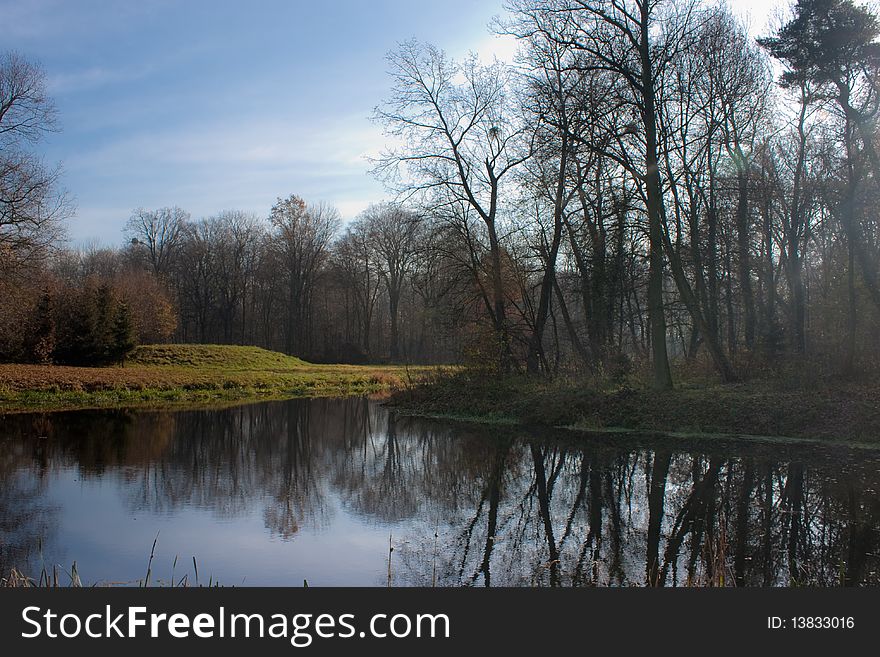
647,188
295,282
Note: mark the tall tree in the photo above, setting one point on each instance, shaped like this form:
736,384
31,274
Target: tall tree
832,45
302,236
159,233
354,257
394,233
556,100
618,37
33,206
460,140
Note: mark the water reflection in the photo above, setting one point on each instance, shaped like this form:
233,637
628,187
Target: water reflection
277,492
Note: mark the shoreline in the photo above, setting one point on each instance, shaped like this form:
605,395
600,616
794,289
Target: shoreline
835,413
193,376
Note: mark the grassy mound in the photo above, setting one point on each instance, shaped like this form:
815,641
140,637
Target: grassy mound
228,357
160,375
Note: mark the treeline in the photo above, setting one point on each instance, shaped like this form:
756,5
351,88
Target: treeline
298,282
638,189
295,282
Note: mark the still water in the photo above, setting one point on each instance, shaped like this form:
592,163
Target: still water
319,490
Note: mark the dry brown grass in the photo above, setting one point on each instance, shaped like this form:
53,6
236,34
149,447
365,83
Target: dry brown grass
56,378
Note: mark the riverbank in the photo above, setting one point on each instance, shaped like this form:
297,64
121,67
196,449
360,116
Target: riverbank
170,375
200,375
833,411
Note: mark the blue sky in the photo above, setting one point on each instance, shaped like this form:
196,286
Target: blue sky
225,105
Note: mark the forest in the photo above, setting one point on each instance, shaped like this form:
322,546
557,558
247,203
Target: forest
647,192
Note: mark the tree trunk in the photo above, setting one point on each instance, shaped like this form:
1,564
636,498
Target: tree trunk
725,369
849,356
569,325
536,344
393,304
743,253
654,192
499,314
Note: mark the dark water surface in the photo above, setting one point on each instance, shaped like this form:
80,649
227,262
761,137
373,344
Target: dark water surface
279,492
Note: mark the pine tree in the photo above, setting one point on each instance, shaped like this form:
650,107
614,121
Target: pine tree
103,348
76,329
40,339
826,41
122,333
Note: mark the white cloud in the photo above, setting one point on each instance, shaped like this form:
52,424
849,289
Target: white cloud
352,208
502,47
759,15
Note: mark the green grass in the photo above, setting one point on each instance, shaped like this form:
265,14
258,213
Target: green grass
175,375
226,357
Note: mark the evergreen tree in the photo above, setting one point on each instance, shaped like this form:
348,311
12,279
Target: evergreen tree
102,350
825,41
77,327
40,339
122,333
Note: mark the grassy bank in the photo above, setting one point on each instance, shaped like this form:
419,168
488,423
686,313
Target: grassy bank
834,411
187,375
190,374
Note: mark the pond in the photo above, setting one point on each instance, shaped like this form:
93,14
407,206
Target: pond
321,490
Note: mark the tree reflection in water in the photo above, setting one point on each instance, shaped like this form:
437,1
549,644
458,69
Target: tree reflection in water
466,505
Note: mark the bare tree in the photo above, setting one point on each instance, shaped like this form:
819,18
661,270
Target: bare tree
354,257
460,141
302,237
160,232
236,254
195,277
32,205
713,115
26,112
394,233
557,101
638,41
743,95
626,39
